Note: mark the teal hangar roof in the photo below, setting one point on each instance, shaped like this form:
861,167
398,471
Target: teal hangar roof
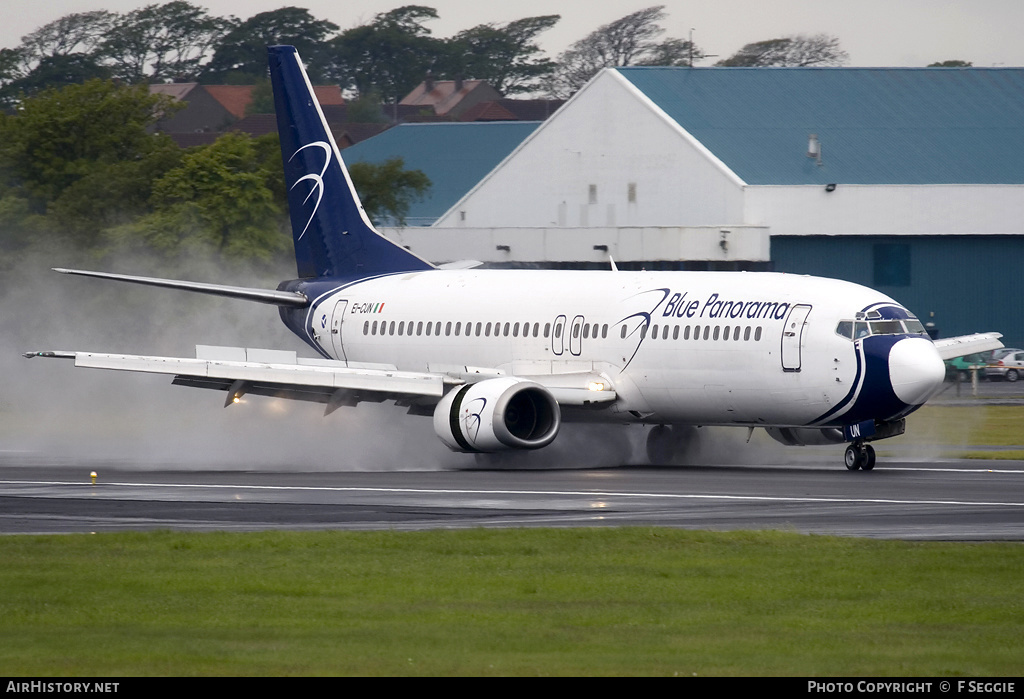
454,155
874,125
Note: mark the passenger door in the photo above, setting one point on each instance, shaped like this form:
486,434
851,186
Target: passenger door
792,337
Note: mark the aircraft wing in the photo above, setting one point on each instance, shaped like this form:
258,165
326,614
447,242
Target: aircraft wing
952,347
282,374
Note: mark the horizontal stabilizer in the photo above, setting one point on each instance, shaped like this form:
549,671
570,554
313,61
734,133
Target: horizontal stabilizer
293,299
962,345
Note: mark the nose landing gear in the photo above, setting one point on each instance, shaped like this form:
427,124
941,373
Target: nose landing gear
860,456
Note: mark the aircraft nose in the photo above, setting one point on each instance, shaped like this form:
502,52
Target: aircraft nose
915,370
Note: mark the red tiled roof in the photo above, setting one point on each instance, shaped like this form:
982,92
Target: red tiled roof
441,94
234,98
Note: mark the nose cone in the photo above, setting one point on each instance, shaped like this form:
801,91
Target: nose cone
915,369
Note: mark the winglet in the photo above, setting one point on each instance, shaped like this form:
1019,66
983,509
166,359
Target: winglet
333,236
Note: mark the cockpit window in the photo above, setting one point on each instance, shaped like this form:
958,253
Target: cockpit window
915,327
854,330
886,327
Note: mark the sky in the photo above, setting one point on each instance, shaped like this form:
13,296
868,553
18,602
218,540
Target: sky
874,32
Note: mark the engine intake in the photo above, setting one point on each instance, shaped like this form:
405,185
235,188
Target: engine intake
497,414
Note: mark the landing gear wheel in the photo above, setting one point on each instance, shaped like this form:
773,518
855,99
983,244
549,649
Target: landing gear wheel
859,456
869,458
852,458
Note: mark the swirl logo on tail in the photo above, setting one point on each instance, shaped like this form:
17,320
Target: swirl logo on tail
317,180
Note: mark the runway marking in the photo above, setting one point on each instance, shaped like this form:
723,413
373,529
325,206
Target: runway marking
552,493
954,470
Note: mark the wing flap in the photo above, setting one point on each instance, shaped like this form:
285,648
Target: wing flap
962,345
292,375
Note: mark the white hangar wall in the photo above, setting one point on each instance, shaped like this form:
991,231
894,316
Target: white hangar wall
959,209
608,158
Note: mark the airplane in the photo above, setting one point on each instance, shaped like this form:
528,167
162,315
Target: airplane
499,358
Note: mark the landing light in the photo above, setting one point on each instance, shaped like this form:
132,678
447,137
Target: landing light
595,386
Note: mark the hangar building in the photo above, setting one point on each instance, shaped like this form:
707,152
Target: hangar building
907,180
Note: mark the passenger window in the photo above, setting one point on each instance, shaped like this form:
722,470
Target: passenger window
757,334
604,331
623,333
366,328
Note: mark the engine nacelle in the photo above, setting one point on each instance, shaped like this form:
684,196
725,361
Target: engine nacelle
805,436
497,414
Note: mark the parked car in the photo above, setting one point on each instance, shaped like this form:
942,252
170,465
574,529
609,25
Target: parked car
962,366
1009,366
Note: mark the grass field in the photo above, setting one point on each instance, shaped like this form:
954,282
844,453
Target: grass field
641,601
958,430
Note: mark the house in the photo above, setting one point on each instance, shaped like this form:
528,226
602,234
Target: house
212,109
448,98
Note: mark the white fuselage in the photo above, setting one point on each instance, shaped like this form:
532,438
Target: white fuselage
684,347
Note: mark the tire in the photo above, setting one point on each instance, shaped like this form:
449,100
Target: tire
852,458
868,458
1012,375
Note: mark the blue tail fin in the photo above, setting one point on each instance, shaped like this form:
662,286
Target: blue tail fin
333,236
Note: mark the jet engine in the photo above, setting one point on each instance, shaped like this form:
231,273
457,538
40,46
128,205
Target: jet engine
805,436
497,414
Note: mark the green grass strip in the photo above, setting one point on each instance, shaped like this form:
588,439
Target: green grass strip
632,601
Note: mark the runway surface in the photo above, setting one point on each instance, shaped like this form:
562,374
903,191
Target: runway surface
942,500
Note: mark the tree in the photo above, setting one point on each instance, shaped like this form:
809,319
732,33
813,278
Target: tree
79,32
158,43
216,200
794,51
61,52
62,134
241,53
629,40
504,55
389,56
951,64
387,190
54,71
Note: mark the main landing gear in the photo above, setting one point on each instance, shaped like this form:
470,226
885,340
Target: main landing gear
860,456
